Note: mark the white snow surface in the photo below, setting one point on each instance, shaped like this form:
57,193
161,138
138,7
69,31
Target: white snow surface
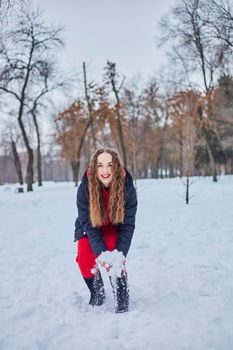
180,269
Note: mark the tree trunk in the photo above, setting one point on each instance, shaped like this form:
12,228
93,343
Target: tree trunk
211,156
39,166
165,169
17,162
29,174
134,160
181,151
207,137
39,162
75,165
119,124
171,170
187,190
120,133
89,107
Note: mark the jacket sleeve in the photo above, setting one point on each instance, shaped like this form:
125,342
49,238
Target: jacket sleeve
94,234
126,229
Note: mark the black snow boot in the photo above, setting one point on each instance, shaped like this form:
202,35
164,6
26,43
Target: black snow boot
96,287
121,293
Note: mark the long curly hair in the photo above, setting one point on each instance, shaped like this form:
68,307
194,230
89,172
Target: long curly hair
116,205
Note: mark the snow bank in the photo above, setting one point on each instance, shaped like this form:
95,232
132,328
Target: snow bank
180,269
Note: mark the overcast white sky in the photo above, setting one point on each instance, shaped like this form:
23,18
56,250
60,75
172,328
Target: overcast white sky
123,31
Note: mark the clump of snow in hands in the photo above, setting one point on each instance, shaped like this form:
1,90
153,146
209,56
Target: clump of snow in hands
113,262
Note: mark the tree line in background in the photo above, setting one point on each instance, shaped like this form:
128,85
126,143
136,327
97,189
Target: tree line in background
180,124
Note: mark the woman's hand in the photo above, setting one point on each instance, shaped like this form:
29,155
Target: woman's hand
102,260
113,262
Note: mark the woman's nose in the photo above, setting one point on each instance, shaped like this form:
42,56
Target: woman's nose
105,169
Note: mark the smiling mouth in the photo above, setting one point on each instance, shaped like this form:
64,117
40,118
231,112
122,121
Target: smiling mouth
105,176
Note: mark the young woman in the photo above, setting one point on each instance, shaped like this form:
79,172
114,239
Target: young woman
107,204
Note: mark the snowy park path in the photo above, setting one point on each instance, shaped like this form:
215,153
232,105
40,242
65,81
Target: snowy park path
180,268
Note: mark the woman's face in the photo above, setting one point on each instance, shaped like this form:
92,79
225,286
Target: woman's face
104,168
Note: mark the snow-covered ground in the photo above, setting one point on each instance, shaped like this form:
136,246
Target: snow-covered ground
180,269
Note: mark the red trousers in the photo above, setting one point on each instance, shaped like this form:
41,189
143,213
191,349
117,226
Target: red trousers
86,258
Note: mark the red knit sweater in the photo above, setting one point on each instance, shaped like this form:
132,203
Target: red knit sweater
107,226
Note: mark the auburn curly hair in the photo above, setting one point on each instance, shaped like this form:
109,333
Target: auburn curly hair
116,208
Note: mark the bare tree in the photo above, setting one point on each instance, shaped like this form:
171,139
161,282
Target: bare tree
199,52
7,5
156,116
220,22
182,117
132,104
112,78
22,53
50,81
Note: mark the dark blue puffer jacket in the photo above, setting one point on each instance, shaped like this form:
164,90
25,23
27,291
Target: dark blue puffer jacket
83,224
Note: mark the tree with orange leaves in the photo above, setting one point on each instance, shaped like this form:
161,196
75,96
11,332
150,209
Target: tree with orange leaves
72,125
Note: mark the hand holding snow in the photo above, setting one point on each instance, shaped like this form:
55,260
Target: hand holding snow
113,262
